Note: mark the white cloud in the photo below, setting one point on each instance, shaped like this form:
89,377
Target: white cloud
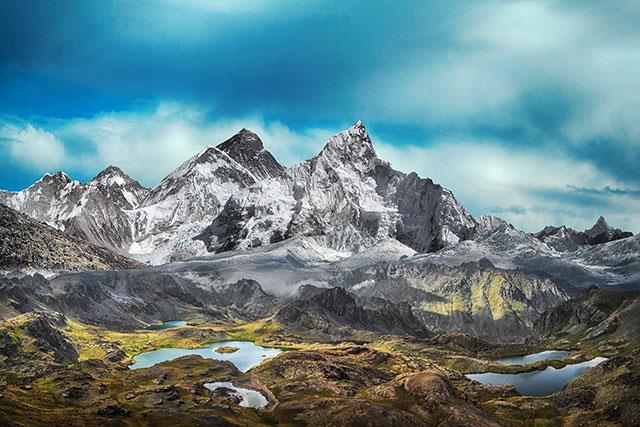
35,148
500,55
148,145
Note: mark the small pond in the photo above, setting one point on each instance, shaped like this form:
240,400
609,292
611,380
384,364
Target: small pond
249,398
538,383
533,358
247,356
167,325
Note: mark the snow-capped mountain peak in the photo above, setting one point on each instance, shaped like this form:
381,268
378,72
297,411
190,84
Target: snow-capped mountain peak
352,146
346,194
58,177
118,187
564,238
191,196
52,199
598,228
246,148
244,140
112,176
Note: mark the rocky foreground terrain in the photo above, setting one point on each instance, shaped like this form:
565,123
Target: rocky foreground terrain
58,370
381,289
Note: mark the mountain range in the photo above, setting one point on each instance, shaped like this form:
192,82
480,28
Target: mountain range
343,218
236,195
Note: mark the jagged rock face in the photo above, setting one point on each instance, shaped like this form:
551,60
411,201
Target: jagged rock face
93,212
100,216
566,239
52,199
25,242
246,148
347,193
102,222
601,232
475,298
327,311
188,199
120,188
43,328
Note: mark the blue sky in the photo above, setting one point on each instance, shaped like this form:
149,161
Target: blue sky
527,110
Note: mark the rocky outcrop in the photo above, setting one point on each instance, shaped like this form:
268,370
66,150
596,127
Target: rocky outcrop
331,310
44,329
26,243
32,342
595,314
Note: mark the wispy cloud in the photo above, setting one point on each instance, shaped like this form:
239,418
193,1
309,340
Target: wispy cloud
606,191
34,147
146,144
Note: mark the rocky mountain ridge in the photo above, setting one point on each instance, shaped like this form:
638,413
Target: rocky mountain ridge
347,193
327,311
564,238
237,196
153,225
27,243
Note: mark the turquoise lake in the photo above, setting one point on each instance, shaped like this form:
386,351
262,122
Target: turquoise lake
538,383
167,325
248,355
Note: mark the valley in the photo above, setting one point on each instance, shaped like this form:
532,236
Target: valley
391,378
